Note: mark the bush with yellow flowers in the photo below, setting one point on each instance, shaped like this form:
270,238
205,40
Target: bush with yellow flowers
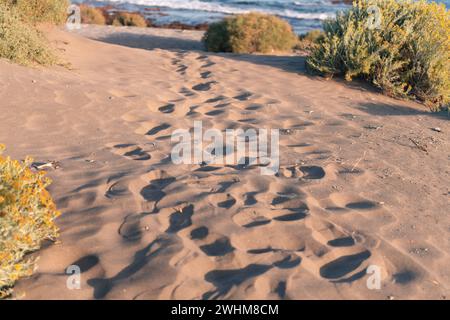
250,33
27,214
403,47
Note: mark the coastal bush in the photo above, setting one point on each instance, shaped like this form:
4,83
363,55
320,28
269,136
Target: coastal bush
129,19
407,54
38,11
248,33
20,42
92,15
27,213
309,40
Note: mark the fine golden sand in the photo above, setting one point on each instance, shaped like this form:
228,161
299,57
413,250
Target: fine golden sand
363,179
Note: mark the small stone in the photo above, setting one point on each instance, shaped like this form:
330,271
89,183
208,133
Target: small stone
437,129
287,173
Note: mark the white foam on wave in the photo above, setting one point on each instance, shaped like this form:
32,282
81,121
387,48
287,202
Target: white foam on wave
221,8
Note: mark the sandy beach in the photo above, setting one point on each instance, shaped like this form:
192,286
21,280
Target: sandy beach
363,180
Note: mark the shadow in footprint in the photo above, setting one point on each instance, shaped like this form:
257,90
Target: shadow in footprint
342,242
404,277
168,108
199,233
203,86
221,105
137,154
362,205
227,204
102,286
260,251
291,216
181,219
205,75
220,247
158,129
257,223
153,192
214,112
250,198
312,172
343,265
289,262
86,263
244,96
224,280
130,228
186,92
281,289
216,99
254,107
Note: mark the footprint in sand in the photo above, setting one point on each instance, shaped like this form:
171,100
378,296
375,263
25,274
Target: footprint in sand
181,219
131,229
208,64
347,203
158,129
216,99
343,266
117,190
154,191
204,86
206,74
228,203
199,233
219,247
312,172
244,96
168,108
132,151
186,92
214,113
224,280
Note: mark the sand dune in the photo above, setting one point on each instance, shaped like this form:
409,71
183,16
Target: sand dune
354,189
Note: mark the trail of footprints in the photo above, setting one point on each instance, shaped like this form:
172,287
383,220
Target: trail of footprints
257,223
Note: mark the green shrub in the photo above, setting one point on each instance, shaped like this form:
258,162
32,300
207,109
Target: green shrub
20,42
26,219
309,40
407,55
129,19
248,33
92,15
37,11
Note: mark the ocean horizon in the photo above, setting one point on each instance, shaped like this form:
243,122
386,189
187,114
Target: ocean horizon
303,15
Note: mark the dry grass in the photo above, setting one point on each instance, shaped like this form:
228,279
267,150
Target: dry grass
40,11
92,15
129,19
20,42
